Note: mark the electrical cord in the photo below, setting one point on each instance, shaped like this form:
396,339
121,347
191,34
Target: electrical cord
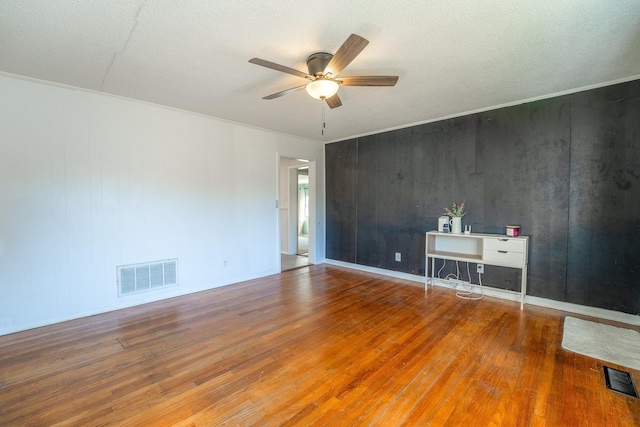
450,275
468,292
444,263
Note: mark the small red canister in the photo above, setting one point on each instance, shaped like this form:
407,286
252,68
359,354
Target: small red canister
513,230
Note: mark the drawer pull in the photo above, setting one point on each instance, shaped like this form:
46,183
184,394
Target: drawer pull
504,240
503,252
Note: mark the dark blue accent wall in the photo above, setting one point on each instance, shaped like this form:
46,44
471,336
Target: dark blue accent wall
566,169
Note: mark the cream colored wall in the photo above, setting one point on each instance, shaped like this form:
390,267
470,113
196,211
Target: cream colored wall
89,182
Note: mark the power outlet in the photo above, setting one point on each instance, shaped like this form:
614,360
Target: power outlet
398,257
480,268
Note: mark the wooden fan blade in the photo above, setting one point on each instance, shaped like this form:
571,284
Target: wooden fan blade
279,67
284,92
368,81
347,52
334,101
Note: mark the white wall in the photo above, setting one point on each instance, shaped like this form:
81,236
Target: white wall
89,182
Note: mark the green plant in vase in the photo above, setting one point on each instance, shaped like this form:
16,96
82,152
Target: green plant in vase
457,210
456,213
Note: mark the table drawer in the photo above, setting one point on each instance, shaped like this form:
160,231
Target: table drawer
503,257
505,244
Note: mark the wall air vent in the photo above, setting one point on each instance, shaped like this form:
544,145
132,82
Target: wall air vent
136,278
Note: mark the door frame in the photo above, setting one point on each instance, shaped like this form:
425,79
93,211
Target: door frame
293,187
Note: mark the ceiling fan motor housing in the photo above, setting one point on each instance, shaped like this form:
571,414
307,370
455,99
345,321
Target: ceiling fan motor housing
317,62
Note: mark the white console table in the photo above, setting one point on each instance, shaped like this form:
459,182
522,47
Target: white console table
489,249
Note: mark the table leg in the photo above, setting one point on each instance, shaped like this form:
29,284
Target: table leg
523,287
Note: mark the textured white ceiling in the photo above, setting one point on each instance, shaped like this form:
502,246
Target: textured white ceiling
452,56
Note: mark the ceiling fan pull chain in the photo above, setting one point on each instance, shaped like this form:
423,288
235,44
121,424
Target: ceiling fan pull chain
324,124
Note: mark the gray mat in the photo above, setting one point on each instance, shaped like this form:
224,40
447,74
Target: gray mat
612,344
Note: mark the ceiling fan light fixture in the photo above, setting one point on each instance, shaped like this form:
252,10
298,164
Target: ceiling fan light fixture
322,88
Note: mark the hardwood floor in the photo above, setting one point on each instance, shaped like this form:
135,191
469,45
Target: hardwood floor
320,345
291,262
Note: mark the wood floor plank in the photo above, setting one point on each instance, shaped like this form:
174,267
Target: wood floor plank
321,345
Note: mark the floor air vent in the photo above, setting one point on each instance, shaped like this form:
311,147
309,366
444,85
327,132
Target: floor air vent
620,381
136,278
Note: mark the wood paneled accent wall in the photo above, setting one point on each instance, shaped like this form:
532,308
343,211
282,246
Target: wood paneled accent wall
566,169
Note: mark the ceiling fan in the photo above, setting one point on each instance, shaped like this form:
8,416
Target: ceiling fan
323,73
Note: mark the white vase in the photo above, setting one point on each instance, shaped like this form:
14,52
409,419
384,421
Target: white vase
456,225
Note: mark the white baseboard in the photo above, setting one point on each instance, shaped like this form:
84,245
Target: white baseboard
601,313
375,270
488,291
616,316
7,328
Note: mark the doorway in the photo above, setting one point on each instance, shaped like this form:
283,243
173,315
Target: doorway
303,212
297,206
